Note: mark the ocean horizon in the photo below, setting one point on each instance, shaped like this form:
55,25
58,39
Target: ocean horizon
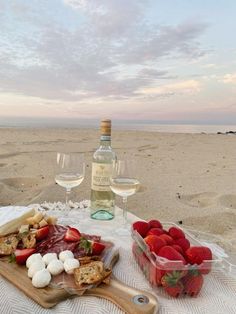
132,125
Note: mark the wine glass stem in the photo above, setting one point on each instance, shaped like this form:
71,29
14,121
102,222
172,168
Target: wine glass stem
125,210
67,200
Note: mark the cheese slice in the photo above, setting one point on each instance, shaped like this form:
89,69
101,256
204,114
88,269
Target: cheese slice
12,217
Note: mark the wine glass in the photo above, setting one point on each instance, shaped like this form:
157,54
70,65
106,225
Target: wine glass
70,172
123,182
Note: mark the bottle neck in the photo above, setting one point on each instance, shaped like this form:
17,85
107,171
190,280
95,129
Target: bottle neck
105,140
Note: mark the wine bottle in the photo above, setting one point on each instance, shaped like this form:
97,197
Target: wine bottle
102,198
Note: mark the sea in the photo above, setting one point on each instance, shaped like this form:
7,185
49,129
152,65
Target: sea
134,125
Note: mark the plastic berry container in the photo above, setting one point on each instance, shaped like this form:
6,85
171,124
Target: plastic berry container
182,278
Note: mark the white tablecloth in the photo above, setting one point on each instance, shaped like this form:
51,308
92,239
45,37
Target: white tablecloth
218,295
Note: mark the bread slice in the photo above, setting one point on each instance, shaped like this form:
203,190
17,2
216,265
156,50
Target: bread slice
88,259
12,217
89,273
8,244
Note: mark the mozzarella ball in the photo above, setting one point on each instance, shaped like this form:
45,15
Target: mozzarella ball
70,264
47,258
33,258
41,278
64,255
55,267
34,267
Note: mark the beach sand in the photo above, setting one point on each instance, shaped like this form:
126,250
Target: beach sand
185,177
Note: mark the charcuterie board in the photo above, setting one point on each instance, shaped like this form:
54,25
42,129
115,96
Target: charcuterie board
128,299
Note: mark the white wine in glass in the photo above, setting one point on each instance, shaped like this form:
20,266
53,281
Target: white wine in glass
124,187
70,172
123,182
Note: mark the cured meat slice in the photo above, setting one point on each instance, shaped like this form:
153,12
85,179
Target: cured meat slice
54,243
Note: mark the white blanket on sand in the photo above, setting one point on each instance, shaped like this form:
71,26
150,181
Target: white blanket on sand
217,296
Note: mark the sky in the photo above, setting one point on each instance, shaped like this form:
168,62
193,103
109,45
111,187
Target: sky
172,60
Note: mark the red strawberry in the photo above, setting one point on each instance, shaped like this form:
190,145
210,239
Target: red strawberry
176,233
178,248
141,227
72,235
170,253
183,243
167,238
97,248
154,224
198,254
21,255
193,283
42,233
172,284
143,260
154,243
91,247
152,274
159,274
155,231
174,291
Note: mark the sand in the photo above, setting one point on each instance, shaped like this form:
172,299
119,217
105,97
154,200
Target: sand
185,177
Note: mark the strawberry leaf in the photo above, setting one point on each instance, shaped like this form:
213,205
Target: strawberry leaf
12,258
86,245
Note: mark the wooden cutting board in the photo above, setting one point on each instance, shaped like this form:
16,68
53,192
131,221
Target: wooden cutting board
130,300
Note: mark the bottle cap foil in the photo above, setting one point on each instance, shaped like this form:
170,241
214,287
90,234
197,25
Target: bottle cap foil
106,127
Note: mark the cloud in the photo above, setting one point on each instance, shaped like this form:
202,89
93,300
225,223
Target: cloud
183,87
229,78
155,74
87,57
111,17
210,66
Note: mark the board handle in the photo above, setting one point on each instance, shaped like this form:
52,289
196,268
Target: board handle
130,300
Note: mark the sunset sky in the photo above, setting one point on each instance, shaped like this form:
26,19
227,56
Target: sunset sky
172,60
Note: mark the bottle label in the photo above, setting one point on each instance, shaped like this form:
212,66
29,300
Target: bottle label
101,176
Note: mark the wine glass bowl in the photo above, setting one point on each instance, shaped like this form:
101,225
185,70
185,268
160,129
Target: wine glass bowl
124,183
124,187
70,171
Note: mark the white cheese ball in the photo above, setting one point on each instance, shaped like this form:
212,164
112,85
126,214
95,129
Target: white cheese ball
33,258
47,258
55,267
35,267
70,264
64,255
41,278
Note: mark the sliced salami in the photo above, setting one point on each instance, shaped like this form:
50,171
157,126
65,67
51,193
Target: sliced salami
54,243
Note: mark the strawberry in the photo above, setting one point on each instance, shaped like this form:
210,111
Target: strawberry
91,247
42,233
193,283
143,260
170,253
154,243
152,274
172,284
183,243
154,224
155,231
141,227
21,255
176,233
167,239
174,291
178,248
159,274
198,254
72,235
97,248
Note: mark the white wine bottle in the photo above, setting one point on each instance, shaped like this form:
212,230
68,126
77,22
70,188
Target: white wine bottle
102,198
